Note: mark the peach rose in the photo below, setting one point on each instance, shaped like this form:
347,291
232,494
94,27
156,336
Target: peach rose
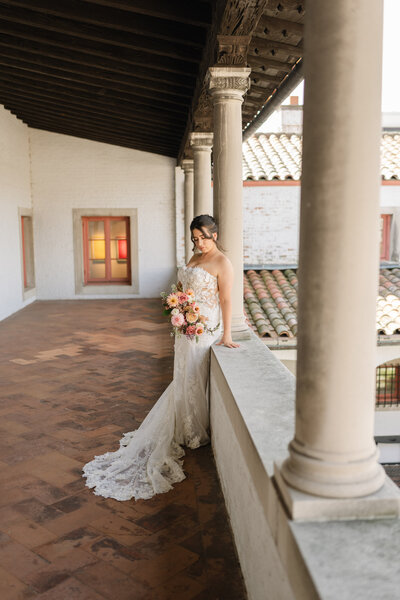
199,329
191,317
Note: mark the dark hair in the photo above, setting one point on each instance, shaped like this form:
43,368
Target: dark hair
208,226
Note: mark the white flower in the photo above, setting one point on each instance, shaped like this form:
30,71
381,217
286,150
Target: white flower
175,311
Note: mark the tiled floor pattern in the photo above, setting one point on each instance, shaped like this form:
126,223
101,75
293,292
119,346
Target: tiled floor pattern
393,471
75,375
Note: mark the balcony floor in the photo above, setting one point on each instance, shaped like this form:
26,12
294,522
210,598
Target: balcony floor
74,376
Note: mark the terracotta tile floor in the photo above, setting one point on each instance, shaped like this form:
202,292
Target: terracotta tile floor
75,375
393,471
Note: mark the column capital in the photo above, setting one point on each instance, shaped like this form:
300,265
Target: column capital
187,165
232,49
229,82
203,115
200,140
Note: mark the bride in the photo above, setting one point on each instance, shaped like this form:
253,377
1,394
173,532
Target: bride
149,460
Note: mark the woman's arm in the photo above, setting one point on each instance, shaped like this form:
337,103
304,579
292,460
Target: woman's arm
225,282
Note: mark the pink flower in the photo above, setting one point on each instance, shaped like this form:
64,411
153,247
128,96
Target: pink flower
190,330
191,317
190,294
199,329
196,308
172,300
177,320
183,298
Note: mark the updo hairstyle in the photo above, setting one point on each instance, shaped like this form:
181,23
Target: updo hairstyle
208,226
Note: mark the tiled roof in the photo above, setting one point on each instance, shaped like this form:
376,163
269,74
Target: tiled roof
278,156
271,302
388,303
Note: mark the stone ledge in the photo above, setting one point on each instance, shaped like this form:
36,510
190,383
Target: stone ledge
385,503
252,410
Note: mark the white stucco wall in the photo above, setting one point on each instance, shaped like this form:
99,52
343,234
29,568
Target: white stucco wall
72,173
390,204
271,224
180,216
390,196
14,194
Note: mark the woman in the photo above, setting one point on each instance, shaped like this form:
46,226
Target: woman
209,256
149,459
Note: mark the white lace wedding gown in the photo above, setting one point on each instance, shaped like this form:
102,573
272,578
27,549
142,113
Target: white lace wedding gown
149,459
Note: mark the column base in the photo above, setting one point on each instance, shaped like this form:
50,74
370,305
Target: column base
385,503
329,477
241,333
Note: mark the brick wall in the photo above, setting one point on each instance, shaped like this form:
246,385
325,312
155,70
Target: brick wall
270,224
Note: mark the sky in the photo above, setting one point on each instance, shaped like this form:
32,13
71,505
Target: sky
391,60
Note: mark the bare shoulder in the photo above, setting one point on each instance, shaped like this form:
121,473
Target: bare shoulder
224,265
193,261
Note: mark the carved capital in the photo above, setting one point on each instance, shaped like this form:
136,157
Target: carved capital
232,49
203,115
201,140
203,122
187,165
228,81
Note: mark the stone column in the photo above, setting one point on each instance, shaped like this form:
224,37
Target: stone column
187,166
227,85
201,144
333,453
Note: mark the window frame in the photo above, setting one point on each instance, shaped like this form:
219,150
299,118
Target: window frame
388,399
108,279
386,227
115,290
24,274
28,275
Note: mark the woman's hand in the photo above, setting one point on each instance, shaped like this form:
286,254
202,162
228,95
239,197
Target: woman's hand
227,341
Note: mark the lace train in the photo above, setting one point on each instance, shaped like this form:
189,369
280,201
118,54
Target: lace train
149,460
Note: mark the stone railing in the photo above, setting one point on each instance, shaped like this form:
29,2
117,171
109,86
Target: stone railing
252,419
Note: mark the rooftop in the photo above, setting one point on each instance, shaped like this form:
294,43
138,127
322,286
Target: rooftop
272,156
271,302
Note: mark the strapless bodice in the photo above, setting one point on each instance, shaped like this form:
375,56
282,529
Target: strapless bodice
204,285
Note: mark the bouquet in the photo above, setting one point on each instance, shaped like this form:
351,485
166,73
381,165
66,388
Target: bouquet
180,305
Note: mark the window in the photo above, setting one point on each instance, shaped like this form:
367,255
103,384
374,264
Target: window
385,236
114,287
388,385
27,253
106,250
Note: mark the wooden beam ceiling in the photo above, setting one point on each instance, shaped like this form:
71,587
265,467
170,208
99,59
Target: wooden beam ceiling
119,71
131,72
